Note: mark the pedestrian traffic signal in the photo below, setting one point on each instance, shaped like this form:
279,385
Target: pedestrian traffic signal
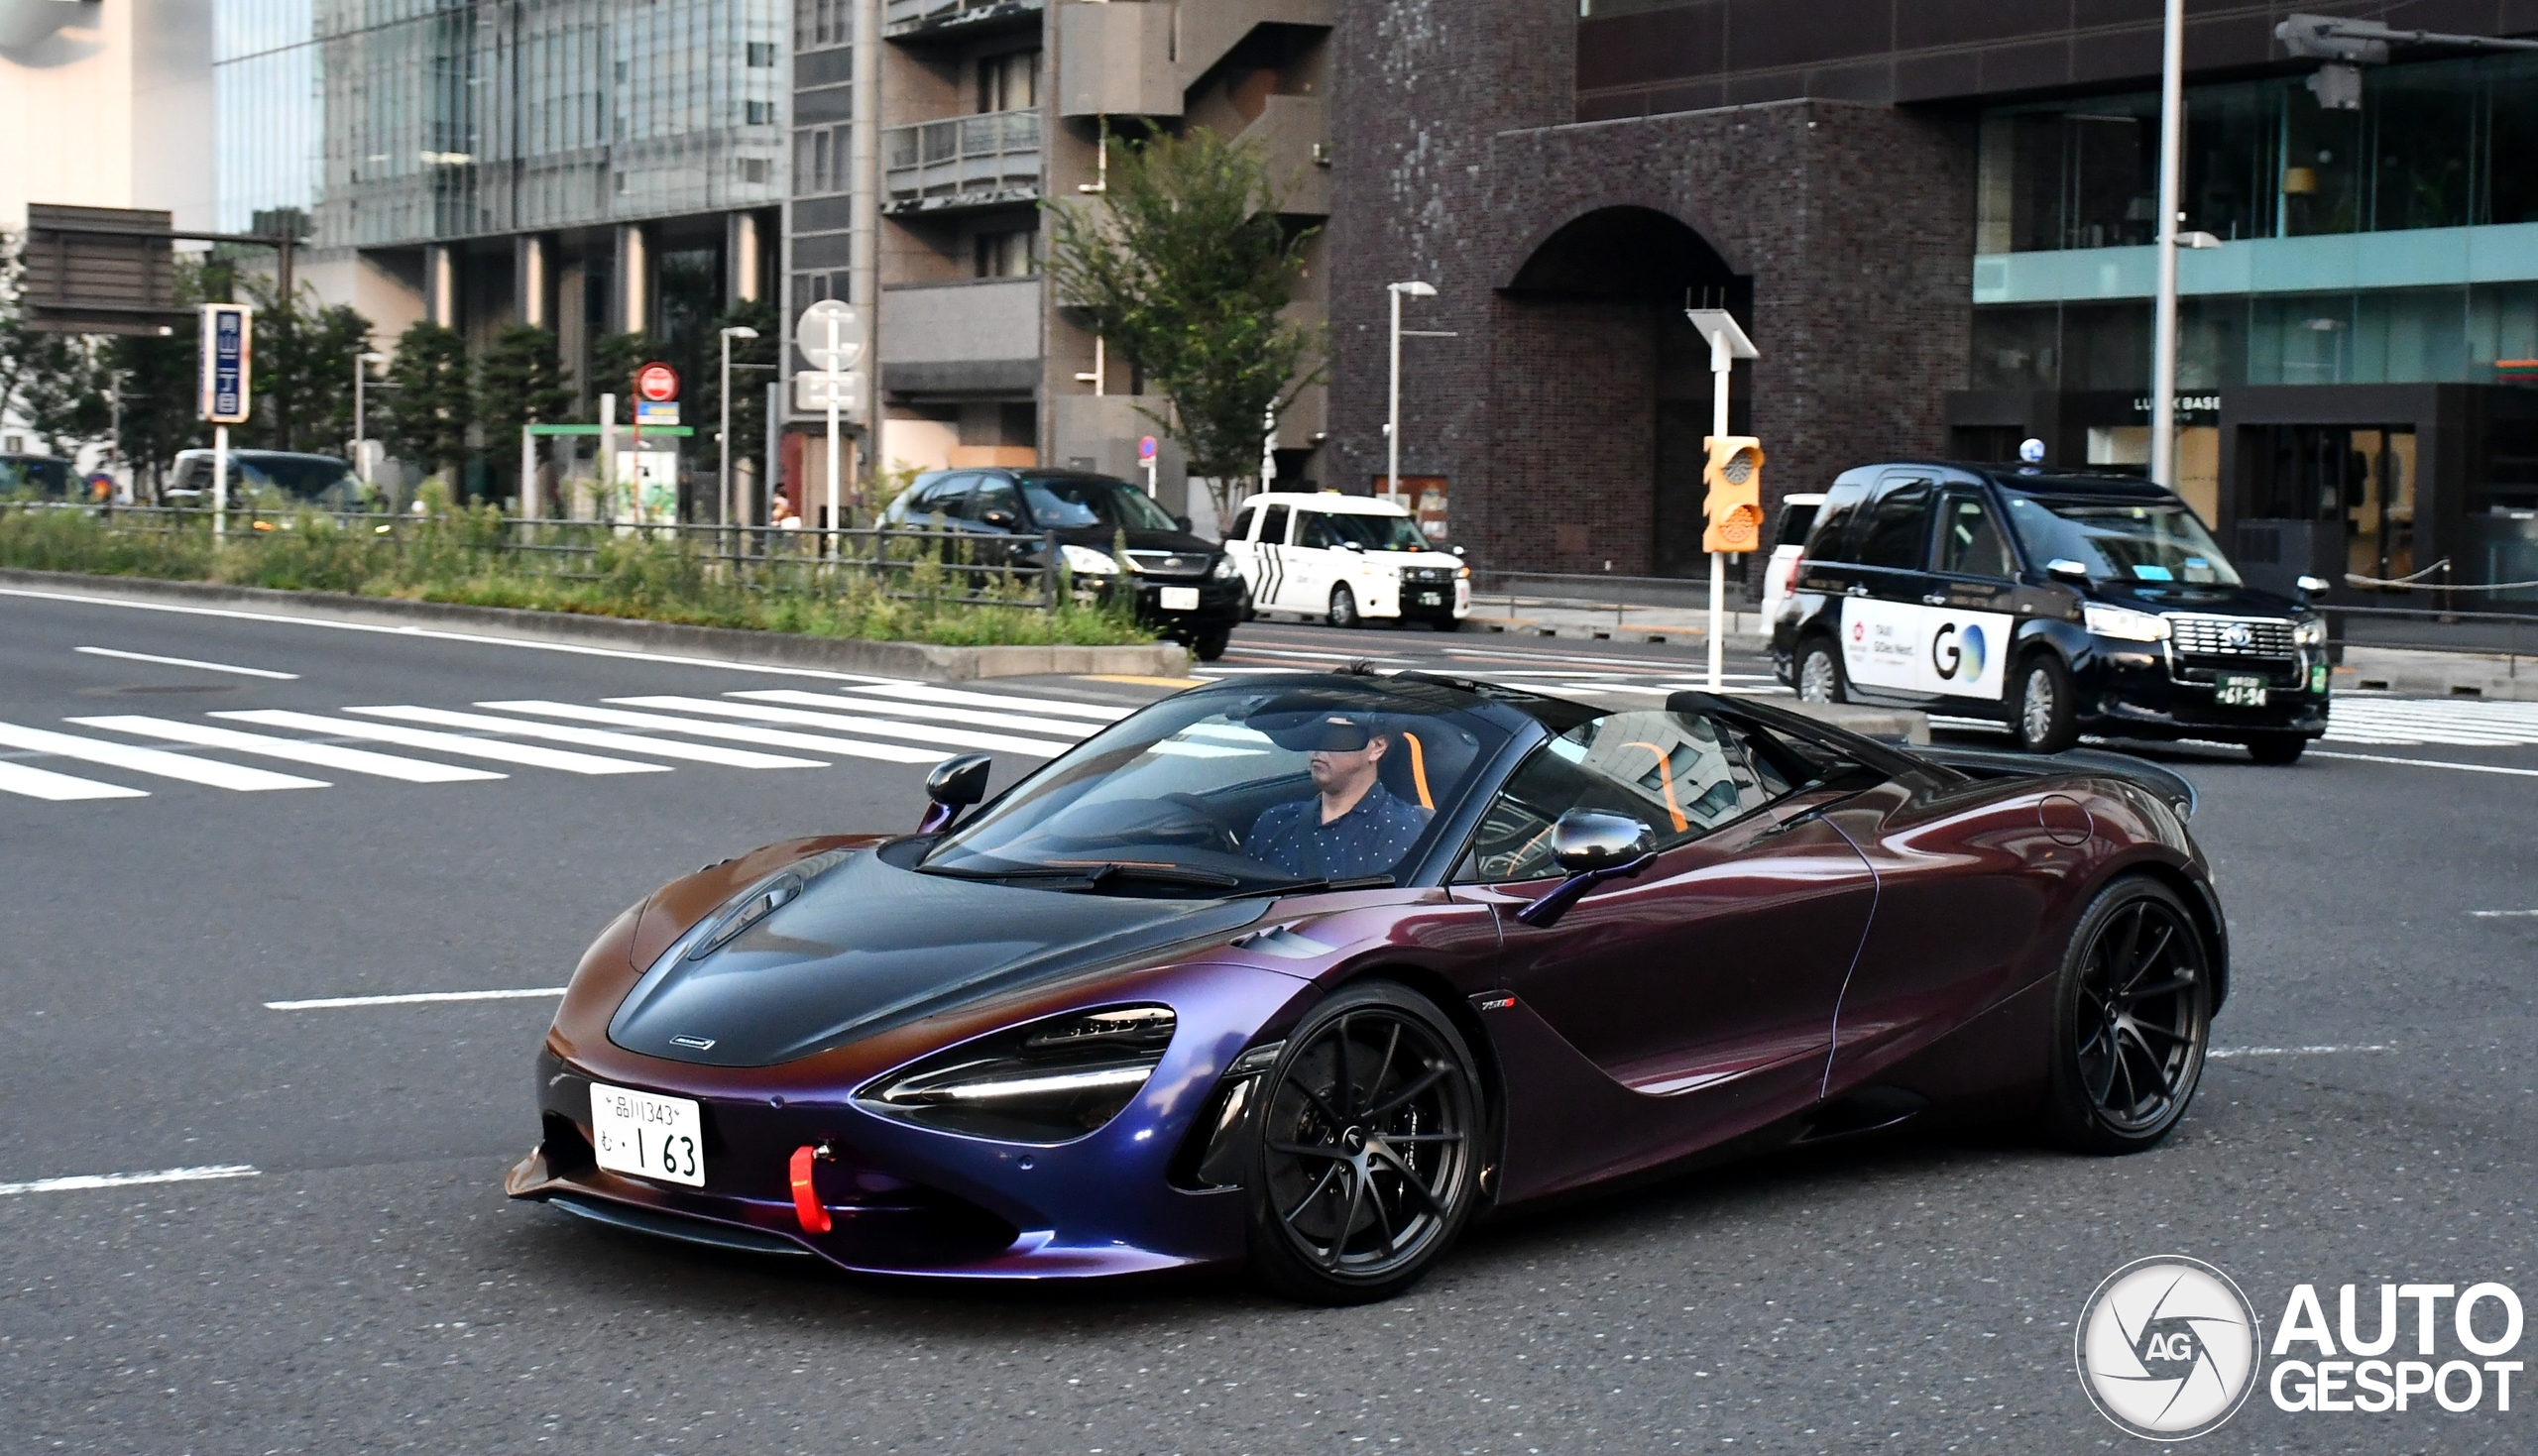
1734,505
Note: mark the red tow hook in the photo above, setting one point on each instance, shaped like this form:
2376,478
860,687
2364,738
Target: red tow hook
806,1199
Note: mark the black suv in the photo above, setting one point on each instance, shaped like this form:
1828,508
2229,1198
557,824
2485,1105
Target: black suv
1187,588
2059,601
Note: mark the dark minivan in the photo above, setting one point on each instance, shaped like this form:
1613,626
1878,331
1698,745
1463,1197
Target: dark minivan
2059,601
1187,588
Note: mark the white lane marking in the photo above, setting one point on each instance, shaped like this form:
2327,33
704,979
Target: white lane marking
153,760
132,1179
413,998
288,677
591,738
429,635
879,728
60,788
2527,773
293,750
2220,1053
2461,722
973,717
524,754
2501,914
730,733
1246,649
955,697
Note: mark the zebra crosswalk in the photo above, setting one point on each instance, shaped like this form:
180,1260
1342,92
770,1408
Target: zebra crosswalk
916,724
2458,722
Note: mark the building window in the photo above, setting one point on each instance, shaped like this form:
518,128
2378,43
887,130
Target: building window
1009,83
1013,255
761,54
752,168
759,113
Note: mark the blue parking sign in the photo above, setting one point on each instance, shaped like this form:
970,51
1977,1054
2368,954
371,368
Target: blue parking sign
228,362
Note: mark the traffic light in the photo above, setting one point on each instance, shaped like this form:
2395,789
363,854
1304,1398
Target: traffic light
1734,477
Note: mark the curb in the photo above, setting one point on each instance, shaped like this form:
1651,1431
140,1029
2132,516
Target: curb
1675,633
923,661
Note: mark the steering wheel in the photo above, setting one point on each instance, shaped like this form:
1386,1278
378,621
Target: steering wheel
1219,835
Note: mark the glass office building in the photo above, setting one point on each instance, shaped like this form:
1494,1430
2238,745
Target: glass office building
268,155
2354,353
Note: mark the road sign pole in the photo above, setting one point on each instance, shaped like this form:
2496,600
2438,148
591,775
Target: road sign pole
219,482
1722,366
834,390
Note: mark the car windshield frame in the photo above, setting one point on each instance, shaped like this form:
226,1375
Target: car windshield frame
1399,532
1051,510
1170,802
2137,542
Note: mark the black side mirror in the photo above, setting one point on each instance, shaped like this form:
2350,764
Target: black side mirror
953,785
1593,847
1183,523
2063,568
1001,519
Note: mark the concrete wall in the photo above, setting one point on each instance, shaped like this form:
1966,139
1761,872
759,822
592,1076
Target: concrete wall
112,109
979,337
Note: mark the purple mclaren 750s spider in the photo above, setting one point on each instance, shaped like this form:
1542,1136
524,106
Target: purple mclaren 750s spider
1306,974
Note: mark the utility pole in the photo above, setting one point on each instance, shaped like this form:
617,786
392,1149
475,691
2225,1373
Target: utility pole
1392,410
2164,365
722,442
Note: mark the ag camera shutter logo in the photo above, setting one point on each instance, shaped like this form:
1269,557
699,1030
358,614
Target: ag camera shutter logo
2167,1348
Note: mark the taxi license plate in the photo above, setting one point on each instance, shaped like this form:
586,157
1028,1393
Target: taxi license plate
1180,599
1431,599
647,1135
2239,692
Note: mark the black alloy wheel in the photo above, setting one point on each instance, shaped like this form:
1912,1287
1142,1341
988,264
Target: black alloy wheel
1343,608
2277,749
2132,1021
2047,719
1368,1156
1819,673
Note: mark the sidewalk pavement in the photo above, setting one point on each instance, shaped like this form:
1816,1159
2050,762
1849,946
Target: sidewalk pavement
1668,623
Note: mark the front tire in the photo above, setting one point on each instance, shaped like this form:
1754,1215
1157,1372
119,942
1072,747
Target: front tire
1819,673
1210,644
1368,1156
2047,719
1343,608
2277,749
2131,1021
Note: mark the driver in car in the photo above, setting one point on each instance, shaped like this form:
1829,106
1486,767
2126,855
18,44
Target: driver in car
1352,825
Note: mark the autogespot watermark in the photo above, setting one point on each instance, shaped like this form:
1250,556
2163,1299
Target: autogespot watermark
2169,1348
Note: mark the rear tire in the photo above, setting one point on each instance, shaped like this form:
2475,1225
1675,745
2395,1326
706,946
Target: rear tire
2277,749
2131,1021
1366,1162
1210,644
1343,608
1820,674
2046,717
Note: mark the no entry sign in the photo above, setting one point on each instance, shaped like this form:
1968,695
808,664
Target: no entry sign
656,383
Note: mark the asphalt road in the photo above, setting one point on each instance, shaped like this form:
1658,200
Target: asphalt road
370,1289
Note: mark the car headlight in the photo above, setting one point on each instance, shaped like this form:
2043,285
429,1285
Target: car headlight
2311,633
1224,569
1046,1082
2126,624
1085,561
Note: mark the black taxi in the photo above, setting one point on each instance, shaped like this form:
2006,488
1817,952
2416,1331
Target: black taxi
2058,601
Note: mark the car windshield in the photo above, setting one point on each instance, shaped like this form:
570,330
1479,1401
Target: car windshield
2120,541
1238,790
1066,503
1380,532
302,476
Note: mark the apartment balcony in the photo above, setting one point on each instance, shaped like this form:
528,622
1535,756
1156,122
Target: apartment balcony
923,20
965,162
1116,60
970,340
1289,134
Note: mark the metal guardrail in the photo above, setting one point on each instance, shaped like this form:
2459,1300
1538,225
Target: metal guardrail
1519,592
990,154
2508,635
904,563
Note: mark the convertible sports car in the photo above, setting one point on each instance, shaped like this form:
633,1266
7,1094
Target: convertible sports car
1309,974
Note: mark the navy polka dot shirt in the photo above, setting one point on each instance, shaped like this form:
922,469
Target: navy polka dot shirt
1370,838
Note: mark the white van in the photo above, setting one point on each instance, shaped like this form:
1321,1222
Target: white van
1345,559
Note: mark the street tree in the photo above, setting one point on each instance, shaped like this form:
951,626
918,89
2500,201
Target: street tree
428,402
615,358
303,381
1185,268
753,366
519,381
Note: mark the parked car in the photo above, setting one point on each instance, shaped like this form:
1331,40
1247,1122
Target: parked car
43,476
1346,559
2058,602
1789,543
1150,1009
1185,588
320,481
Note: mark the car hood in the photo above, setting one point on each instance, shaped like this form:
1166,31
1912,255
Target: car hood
867,946
1102,538
2194,596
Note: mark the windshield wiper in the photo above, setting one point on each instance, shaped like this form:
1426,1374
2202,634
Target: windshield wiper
1306,887
1093,875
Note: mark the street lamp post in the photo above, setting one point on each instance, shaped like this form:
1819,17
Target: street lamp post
361,399
1392,413
722,442
2164,367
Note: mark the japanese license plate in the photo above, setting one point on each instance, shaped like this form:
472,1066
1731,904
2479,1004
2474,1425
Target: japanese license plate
2236,691
1180,599
647,1135
1431,599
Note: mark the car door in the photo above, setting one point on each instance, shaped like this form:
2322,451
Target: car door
993,519
1269,552
1968,619
1708,983
1882,639
1316,563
